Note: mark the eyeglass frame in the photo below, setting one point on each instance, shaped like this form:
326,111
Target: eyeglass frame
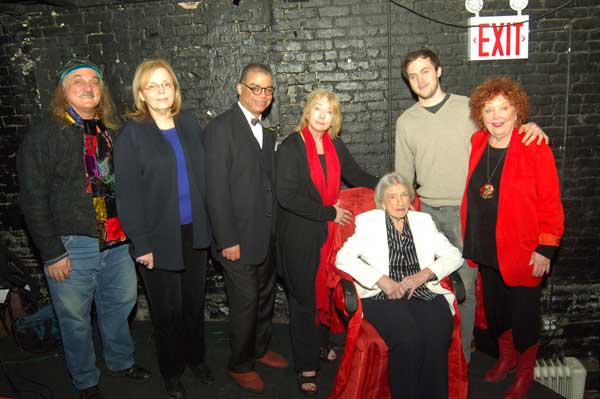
157,87
258,90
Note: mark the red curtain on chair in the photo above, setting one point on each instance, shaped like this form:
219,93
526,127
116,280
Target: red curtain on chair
362,373
363,370
480,320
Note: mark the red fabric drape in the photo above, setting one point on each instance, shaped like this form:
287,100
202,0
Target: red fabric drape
458,371
362,373
356,200
329,188
480,320
363,370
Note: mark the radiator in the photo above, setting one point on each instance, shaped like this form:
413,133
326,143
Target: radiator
565,377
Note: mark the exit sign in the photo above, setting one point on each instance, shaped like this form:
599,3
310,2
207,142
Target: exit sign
498,38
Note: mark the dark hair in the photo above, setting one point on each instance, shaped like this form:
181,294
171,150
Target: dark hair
421,53
494,87
252,67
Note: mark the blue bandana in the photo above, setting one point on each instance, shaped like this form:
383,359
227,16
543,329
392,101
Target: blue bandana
74,65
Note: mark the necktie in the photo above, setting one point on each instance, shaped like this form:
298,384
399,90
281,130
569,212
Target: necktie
254,121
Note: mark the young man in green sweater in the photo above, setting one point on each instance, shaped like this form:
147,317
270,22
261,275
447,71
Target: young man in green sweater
433,141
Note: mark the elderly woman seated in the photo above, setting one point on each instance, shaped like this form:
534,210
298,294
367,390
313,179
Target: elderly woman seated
397,258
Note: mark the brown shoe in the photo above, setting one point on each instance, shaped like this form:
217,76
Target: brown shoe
249,381
273,359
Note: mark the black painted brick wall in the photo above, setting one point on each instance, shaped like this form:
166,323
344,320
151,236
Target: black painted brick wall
346,46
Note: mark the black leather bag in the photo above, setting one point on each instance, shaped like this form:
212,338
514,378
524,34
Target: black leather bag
458,286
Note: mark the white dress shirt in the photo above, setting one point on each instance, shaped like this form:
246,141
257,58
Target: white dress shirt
256,129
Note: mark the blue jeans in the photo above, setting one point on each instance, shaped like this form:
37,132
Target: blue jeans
109,279
447,220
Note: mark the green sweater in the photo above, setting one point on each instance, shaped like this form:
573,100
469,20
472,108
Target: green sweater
436,147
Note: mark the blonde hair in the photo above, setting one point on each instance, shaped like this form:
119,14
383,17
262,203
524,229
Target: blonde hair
334,102
59,103
140,80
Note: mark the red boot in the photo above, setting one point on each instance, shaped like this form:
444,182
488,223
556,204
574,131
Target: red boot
507,358
524,376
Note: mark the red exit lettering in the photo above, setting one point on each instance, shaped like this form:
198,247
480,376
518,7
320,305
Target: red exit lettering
497,33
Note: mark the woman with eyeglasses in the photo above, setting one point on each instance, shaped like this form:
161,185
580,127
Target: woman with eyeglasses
310,165
161,191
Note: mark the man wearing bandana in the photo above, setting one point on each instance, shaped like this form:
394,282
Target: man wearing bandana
66,176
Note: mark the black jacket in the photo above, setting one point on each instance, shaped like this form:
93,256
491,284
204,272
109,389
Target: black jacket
241,201
302,219
53,185
147,192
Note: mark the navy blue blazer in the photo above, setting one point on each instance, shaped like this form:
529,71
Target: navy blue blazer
147,193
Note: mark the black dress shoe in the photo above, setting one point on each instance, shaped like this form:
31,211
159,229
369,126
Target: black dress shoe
91,393
135,374
175,388
203,373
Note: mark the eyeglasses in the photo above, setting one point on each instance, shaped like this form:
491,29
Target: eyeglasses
257,90
155,87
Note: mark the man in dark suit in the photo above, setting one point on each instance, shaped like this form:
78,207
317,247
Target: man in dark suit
242,207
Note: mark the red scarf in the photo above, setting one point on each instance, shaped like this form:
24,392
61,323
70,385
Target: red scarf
329,188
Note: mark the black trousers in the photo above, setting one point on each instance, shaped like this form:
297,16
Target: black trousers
307,337
177,309
251,294
516,308
417,333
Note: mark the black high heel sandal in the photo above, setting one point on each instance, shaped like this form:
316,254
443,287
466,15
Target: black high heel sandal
313,379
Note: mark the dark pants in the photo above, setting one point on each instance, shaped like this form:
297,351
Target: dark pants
417,333
511,308
307,337
177,309
251,294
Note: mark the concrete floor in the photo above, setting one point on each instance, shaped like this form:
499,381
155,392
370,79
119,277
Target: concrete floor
37,376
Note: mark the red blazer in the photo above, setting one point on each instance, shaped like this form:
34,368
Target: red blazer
530,211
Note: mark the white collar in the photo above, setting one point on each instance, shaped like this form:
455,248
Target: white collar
248,114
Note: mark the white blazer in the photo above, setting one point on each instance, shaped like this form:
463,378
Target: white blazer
365,255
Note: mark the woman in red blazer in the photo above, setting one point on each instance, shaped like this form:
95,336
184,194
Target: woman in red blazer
512,220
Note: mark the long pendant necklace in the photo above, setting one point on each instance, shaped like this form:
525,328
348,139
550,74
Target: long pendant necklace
487,190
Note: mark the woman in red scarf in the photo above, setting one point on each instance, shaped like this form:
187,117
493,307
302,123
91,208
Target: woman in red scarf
309,167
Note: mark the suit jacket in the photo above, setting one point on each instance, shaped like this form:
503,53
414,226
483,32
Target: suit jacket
530,211
365,256
241,201
147,193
